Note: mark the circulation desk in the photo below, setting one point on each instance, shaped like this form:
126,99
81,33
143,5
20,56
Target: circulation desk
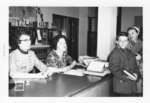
62,85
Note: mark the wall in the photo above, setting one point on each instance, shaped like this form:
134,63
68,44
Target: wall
107,17
78,12
23,12
65,11
128,14
92,11
83,30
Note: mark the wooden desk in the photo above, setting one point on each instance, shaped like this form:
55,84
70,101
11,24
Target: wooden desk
62,85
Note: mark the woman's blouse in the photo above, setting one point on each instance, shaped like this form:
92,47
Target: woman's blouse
24,63
53,60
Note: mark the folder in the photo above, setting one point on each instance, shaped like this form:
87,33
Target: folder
129,74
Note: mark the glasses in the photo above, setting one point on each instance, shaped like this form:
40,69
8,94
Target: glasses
25,40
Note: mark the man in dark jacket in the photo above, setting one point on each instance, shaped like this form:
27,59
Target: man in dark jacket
122,62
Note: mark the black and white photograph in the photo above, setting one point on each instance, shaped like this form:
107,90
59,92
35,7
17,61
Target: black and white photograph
77,51
58,51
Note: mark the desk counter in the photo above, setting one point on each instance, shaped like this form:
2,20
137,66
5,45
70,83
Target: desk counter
60,85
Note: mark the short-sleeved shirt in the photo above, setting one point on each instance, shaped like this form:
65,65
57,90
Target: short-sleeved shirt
53,60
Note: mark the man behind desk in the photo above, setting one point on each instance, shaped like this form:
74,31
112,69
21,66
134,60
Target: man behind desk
22,60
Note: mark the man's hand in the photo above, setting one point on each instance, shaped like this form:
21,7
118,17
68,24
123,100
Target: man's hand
138,57
135,75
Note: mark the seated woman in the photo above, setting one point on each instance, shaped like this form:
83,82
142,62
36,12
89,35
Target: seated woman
121,61
22,60
58,57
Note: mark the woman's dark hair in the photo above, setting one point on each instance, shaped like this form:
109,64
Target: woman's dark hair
122,34
56,39
134,28
20,33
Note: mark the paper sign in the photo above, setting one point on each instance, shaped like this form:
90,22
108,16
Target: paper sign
39,35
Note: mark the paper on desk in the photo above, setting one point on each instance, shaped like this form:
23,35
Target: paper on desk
77,72
97,73
86,59
29,76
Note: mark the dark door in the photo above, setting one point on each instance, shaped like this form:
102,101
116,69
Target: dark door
92,36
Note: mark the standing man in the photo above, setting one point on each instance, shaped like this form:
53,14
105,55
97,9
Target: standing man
122,62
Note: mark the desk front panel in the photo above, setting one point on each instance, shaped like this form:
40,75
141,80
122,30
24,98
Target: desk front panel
60,85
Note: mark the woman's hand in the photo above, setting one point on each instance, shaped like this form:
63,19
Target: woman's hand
66,69
61,70
47,73
73,64
69,67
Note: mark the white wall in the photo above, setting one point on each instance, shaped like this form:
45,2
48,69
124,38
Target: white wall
65,11
83,30
107,19
128,14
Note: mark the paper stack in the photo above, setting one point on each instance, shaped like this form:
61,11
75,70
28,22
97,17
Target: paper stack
76,72
28,76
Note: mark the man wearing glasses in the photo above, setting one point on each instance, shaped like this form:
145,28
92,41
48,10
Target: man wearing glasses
22,60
